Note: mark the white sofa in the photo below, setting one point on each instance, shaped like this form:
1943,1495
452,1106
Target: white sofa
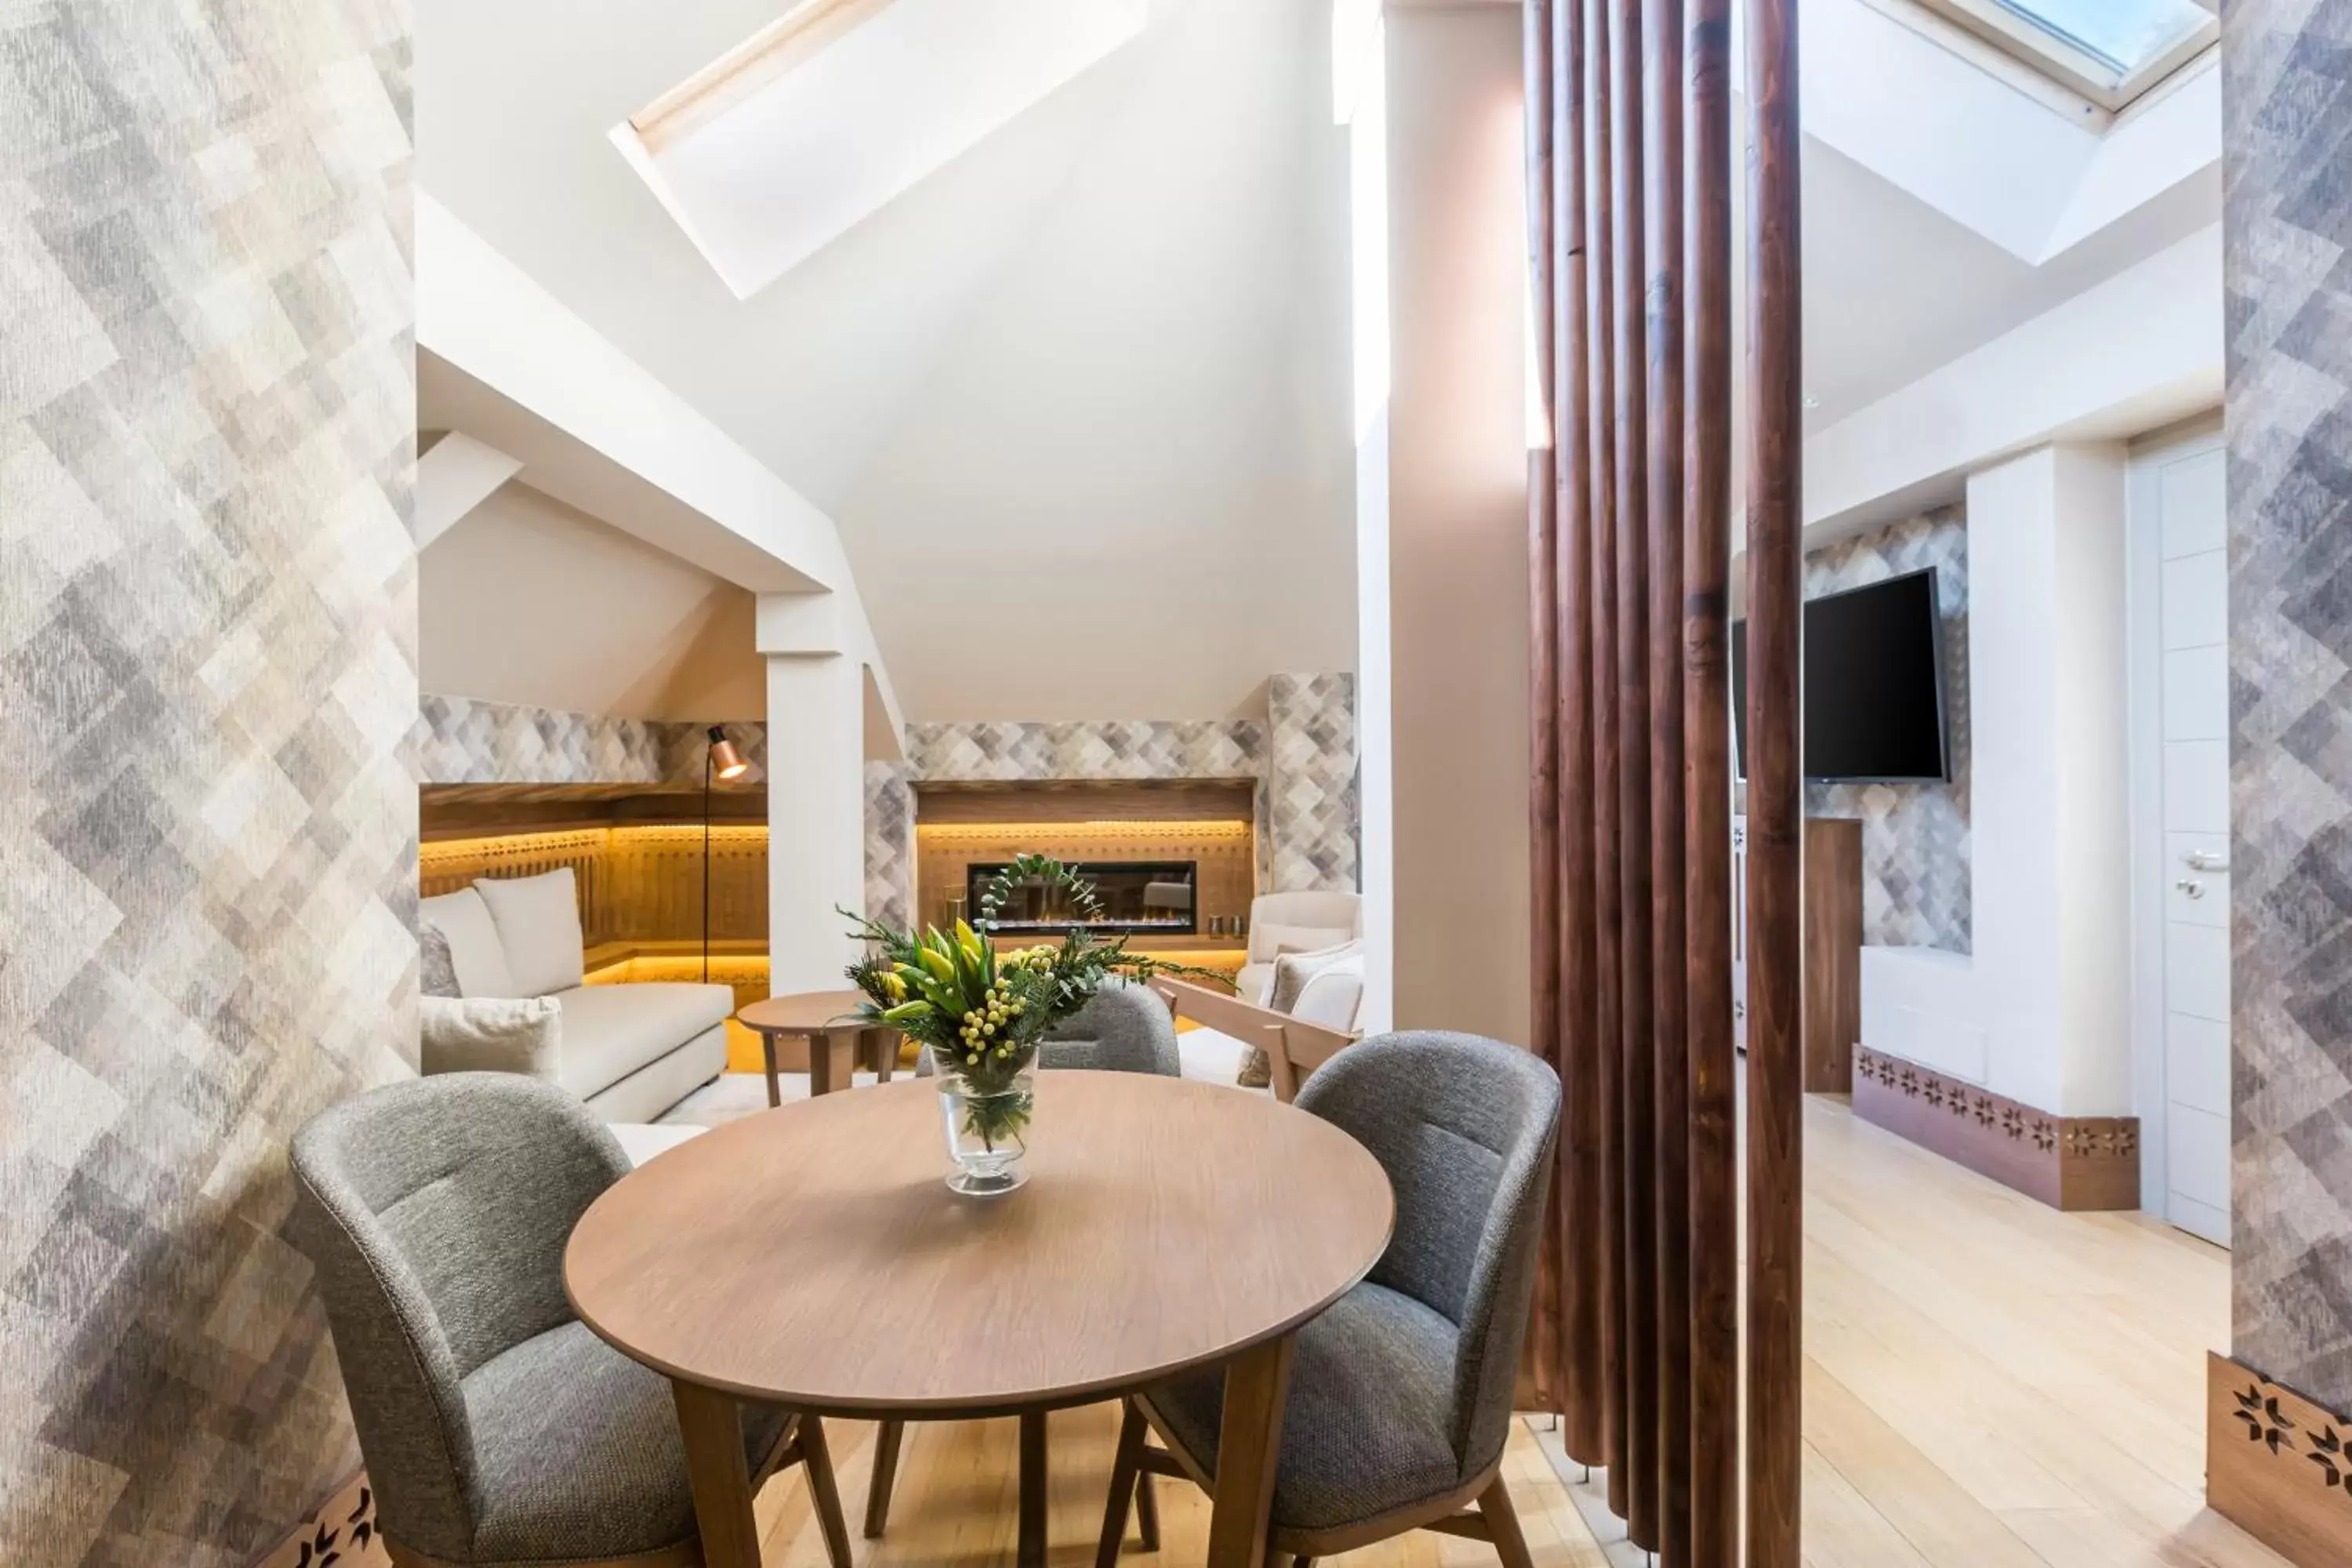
631,1051
1295,922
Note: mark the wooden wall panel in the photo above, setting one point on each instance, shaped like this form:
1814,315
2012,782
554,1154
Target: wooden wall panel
1832,952
641,883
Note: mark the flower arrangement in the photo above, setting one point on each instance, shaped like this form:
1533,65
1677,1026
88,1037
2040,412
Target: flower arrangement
983,1012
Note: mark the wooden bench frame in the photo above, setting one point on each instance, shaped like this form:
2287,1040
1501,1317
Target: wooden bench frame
1294,1048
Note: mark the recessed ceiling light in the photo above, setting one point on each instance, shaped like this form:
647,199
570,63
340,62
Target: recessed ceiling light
1811,401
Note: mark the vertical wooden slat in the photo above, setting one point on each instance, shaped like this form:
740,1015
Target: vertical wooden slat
1714,1178
1601,301
1582,1240
1543,672
1775,846
1636,998
1661,156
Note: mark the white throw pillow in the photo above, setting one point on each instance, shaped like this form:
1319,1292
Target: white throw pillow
1292,971
539,925
1271,942
474,952
490,1034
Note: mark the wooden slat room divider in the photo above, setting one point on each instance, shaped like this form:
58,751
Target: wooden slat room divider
1630,792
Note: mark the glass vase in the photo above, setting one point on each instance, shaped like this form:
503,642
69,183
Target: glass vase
986,1116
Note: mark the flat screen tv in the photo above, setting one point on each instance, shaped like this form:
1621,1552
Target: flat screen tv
1873,689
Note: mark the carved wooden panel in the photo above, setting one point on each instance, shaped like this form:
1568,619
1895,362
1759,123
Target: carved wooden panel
2277,1465
2074,1162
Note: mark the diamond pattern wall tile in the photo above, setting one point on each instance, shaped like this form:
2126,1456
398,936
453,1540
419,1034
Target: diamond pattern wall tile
1915,854
207,668
2287,237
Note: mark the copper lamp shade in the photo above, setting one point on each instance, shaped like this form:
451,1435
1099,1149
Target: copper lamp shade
726,761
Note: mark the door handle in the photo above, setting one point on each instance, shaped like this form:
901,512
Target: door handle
2202,860
2191,886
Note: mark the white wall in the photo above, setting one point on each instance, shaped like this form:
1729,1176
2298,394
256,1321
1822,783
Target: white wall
1133,446
529,601
1455,725
1078,400
2042,1012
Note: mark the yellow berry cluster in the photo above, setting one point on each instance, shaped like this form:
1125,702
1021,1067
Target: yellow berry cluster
983,1025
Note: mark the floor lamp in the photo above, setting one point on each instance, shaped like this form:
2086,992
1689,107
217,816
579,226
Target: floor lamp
720,760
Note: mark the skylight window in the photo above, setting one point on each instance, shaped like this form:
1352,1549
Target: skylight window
841,106
2110,51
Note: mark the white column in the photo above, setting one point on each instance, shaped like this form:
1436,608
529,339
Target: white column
2050,823
816,795
1452,723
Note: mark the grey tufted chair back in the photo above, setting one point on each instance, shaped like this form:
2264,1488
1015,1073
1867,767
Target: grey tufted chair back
1123,1028
1464,1126
435,1212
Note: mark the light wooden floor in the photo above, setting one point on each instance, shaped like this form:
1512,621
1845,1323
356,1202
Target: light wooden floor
1990,1384
955,1504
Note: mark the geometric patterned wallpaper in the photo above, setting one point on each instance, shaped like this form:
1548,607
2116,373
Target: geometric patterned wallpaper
2287,240
1916,851
1314,820
207,670
458,740
1303,758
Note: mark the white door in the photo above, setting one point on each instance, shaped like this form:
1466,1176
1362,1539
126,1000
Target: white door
2192,721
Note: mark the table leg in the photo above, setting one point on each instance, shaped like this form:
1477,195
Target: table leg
768,1059
886,1052
885,1476
1249,1446
720,1476
1032,1551
832,1056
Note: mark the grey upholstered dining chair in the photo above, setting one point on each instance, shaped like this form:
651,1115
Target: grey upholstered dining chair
1123,1028
1400,1393
496,1428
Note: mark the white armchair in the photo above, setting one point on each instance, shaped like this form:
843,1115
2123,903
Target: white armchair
1295,922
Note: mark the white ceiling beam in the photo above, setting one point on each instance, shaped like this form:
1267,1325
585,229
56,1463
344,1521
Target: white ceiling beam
454,477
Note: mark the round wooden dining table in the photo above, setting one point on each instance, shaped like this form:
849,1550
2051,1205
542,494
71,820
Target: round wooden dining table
813,1258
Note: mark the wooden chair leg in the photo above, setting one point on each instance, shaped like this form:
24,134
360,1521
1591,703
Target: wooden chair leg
827,1496
1125,1473
1503,1526
887,1438
1147,1510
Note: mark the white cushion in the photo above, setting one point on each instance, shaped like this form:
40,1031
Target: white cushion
538,919
1333,995
1292,971
1270,943
489,1033
1338,915
1254,983
611,1031
474,952
641,1141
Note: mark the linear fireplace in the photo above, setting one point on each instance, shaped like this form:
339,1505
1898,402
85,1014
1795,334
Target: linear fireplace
1159,898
